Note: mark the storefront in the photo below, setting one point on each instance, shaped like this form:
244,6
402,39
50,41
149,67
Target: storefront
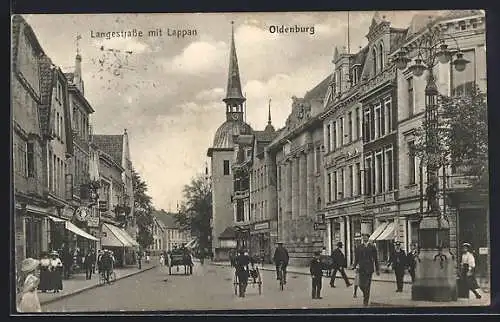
261,243
120,242
344,225
355,237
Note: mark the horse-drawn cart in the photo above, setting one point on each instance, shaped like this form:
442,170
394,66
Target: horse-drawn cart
180,258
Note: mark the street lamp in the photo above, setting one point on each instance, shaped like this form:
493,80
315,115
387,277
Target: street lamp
435,272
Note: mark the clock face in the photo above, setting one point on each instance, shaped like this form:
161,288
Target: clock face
235,117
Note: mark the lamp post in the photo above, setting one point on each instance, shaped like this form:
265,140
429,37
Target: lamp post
436,268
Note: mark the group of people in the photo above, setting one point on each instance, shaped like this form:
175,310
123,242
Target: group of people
51,272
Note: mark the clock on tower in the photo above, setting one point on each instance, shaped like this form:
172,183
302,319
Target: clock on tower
235,116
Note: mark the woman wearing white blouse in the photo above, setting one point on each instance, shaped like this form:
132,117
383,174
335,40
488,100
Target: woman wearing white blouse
468,265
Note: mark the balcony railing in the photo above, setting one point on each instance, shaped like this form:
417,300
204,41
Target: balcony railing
242,194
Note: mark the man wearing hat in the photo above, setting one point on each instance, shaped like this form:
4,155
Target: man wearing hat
281,259
316,270
242,271
367,262
339,263
468,265
398,260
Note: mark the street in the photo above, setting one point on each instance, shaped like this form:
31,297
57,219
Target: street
210,287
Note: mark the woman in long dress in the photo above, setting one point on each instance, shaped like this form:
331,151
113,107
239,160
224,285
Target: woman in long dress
29,301
468,270
56,268
45,274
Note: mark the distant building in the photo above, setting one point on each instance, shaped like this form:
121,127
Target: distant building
159,233
173,235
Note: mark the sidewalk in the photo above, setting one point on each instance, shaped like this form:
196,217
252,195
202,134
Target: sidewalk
77,283
383,277
385,294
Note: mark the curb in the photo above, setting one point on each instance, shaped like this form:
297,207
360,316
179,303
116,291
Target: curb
90,287
304,273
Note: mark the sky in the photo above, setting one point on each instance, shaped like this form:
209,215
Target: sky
167,91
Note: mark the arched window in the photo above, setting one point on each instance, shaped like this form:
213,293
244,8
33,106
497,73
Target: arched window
374,55
381,56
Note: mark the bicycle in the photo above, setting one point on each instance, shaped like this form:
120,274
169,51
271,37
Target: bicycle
281,276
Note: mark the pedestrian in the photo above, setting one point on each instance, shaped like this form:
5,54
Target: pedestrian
468,266
89,264
45,274
412,261
367,262
316,270
339,263
398,261
29,301
56,268
162,260
281,259
242,271
356,283
139,259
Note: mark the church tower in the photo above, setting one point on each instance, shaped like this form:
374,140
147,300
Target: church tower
221,158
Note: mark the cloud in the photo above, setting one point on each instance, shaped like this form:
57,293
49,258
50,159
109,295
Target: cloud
198,57
211,94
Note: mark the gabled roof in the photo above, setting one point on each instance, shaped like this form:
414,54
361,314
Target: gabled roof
166,218
318,92
110,144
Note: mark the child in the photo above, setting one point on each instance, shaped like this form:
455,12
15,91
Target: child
356,283
29,301
317,275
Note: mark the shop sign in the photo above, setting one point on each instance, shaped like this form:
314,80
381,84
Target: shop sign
319,226
483,250
260,226
83,213
385,209
93,219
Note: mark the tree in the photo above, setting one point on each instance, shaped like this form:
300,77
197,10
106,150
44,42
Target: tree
143,211
462,136
195,212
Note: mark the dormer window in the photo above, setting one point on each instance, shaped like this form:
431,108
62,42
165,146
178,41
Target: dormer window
374,57
381,56
355,74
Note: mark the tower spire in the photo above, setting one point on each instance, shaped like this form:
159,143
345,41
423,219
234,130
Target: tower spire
269,126
269,115
234,96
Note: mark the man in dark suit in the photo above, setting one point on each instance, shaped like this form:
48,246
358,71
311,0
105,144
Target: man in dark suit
339,263
317,276
367,262
398,260
242,271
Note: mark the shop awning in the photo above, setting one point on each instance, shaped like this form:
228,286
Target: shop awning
116,237
74,229
388,233
377,231
192,244
55,219
228,233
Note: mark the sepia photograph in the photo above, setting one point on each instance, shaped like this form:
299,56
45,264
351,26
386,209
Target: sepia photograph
249,161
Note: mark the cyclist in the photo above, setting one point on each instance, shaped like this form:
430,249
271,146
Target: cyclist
106,265
280,259
242,271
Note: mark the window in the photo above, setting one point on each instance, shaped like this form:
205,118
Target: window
328,138
329,187
412,173
341,131
51,171
462,83
318,159
374,56
350,182
367,125
358,123
411,97
240,210
368,176
358,179
389,170
339,73
279,177
334,135
349,127
342,184
378,121
387,115
226,167
381,56
335,188
30,159
379,172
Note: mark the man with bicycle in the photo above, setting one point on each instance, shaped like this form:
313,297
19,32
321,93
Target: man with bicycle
106,265
280,259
